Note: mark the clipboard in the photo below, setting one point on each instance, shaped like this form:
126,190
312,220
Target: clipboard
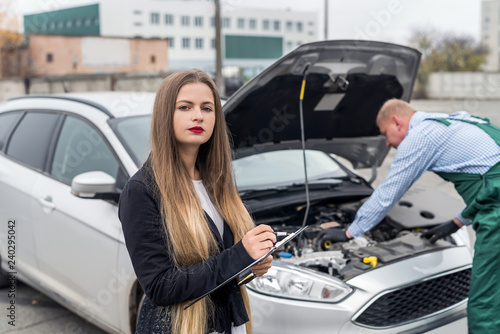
246,279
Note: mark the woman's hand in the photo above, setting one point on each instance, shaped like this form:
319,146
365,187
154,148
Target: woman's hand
258,241
263,266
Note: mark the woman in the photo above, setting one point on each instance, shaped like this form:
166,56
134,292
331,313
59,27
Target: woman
185,226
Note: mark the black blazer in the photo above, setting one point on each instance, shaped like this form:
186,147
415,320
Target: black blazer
163,283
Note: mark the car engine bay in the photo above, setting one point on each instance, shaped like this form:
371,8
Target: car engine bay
395,238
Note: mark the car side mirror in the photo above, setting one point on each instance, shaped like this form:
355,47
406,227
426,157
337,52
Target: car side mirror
95,185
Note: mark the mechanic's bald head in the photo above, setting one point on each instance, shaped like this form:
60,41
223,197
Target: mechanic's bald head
393,121
395,107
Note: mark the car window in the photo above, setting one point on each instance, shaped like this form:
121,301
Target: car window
80,149
283,168
7,122
133,132
31,140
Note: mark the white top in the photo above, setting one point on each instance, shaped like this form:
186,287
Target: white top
212,211
208,206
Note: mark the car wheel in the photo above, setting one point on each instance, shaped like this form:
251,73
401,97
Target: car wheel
136,300
139,308
3,280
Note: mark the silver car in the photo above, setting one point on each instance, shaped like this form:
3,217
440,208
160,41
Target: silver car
65,158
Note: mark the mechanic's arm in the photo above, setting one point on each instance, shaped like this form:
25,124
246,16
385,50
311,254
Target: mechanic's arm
163,282
414,156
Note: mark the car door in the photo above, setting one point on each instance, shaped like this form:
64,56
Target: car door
77,239
25,140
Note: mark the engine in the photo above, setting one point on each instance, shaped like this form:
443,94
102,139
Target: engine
396,236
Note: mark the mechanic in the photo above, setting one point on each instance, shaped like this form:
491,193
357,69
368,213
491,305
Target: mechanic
462,149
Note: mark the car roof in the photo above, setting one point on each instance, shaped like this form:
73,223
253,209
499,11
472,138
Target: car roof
113,104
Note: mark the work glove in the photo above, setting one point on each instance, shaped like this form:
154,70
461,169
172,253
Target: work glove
333,235
440,231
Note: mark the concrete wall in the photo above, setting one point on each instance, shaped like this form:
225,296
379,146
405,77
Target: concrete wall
464,85
81,83
457,85
11,88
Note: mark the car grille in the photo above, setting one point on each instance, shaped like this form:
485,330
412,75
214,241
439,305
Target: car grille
416,301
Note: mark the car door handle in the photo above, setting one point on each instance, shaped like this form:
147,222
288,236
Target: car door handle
47,203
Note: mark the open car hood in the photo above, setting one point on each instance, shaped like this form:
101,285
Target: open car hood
346,84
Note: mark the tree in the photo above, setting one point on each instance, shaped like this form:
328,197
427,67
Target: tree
9,26
446,52
13,61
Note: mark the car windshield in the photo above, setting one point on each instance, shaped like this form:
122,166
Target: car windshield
265,170
279,168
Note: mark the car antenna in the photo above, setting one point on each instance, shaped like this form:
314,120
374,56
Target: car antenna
303,142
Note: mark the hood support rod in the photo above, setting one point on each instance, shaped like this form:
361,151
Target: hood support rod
303,141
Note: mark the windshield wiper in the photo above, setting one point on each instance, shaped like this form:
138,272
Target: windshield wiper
323,184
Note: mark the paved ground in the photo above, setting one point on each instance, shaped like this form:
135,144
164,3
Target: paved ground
36,313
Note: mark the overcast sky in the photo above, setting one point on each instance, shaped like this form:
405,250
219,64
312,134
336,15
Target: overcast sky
384,20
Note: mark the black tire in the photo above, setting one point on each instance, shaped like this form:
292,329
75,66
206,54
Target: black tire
3,280
136,300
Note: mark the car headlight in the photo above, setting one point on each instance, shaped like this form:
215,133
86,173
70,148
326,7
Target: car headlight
290,281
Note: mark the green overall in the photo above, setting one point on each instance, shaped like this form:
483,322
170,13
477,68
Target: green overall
481,193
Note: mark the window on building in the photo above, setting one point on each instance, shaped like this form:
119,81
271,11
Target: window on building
241,23
96,21
289,26
169,19
138,12
226,22
486,19
299,43
185,21
299,26
277,25
311,23
198,43
289,45
186,43
153,59
137,24
50,57
78,22
155,18
170,41
212,21
198,21
265,24
86,21
311,33
69,23
252,24
60,25
213,43
43,26
52,26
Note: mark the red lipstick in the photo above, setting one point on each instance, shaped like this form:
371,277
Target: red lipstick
196,129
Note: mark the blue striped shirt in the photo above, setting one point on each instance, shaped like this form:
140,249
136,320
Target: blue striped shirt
428,145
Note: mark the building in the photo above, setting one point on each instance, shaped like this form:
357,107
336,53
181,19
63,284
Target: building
490,33
62,55
252,38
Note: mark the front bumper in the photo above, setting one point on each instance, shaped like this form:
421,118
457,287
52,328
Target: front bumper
279,315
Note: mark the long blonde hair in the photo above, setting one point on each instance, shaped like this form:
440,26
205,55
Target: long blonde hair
190,238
